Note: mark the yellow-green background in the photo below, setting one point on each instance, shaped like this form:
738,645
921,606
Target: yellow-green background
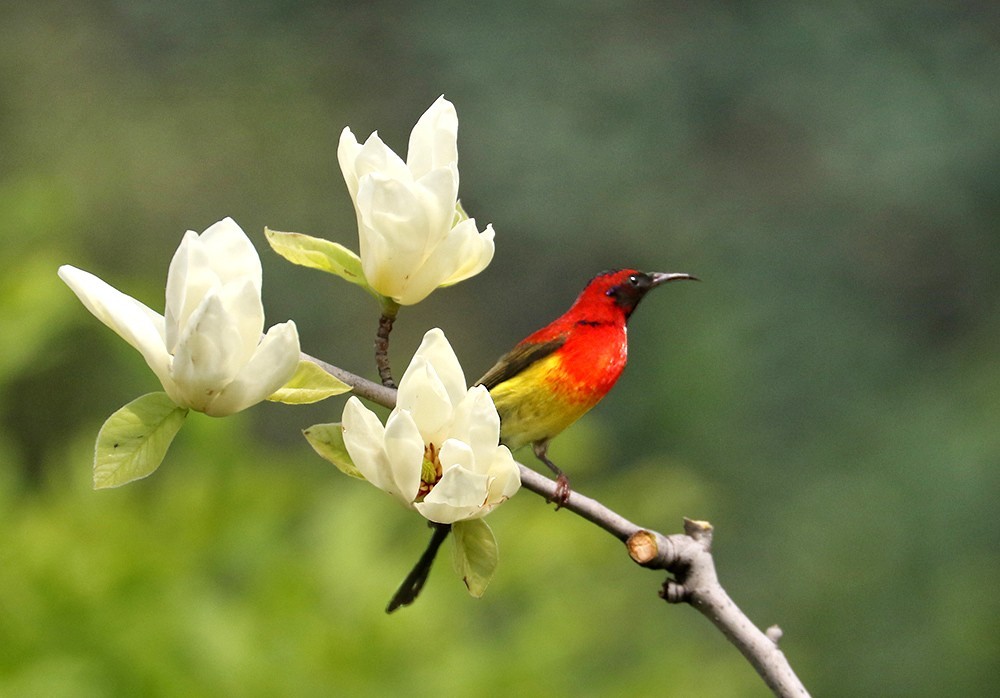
828,396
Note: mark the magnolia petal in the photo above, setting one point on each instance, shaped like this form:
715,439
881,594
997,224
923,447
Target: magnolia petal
328,441
359,164
405,448
207,356
392,230
434,139
133,321
455,452
374,247
347,154
230,253
476,250
271,366
221,255
392,209
375,156
187,283
427,278
418,287
459,494
477,423
414,259
438,195
435,348
242,304
505,478
364,437
464,253
400,225
423,395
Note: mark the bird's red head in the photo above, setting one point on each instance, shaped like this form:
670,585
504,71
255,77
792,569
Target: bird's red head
619,291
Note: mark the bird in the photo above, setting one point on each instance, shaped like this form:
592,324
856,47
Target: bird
557,374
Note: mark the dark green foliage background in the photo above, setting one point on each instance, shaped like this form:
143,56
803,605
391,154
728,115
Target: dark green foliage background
829,396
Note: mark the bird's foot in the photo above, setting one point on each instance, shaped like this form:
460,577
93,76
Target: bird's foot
561,495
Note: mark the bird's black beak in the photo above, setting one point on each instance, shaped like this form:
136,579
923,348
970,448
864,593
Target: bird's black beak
662,278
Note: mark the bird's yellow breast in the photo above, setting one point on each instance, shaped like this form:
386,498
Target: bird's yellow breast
541,401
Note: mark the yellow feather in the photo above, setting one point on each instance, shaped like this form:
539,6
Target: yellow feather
539,402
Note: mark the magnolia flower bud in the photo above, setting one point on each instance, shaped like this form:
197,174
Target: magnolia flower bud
207,349
439,450
412,232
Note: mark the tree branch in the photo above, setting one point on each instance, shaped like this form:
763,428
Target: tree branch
686,556
362,387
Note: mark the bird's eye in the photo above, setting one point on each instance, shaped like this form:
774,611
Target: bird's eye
634,280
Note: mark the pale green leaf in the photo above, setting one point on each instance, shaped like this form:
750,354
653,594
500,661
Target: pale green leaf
328,441
318,253
134,440
309,384
475,554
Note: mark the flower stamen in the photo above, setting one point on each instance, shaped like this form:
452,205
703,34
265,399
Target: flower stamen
430,471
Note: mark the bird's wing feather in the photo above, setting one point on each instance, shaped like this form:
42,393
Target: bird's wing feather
518,359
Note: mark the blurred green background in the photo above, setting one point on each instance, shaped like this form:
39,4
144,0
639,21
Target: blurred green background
827,397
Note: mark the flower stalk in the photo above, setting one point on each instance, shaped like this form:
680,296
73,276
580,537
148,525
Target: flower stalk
385,321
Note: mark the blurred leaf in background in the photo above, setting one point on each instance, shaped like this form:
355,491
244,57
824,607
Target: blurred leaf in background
827,397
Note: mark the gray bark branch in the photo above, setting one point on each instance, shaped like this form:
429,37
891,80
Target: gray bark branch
687,557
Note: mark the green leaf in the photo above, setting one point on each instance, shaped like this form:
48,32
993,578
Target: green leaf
134,440
309,384
318,253
328,441
475,555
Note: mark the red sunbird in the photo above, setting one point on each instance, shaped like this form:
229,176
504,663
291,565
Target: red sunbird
554,376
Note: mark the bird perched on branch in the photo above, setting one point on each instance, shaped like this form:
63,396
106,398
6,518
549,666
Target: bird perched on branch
555,375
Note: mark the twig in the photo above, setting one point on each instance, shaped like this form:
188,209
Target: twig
687,557
382,349
362,387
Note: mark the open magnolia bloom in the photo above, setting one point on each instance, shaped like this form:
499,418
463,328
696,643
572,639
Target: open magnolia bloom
413,235
439,450
207,350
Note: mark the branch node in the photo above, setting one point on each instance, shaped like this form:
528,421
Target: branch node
674,592
774,634
701,531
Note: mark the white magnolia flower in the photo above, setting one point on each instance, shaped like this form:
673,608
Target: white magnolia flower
412,237
207,352
438,452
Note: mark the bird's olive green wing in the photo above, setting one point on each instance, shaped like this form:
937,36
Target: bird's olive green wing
518,359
